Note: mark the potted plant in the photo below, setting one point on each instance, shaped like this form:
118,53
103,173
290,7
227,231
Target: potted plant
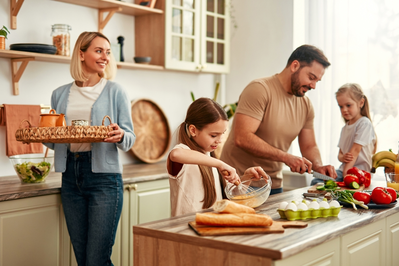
3,35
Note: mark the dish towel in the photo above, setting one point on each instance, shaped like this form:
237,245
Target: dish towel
11,116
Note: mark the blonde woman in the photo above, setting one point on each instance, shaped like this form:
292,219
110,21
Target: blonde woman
92,188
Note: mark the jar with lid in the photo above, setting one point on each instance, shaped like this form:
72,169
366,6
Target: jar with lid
61,38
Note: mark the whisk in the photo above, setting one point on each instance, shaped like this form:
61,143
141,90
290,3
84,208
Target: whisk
241,188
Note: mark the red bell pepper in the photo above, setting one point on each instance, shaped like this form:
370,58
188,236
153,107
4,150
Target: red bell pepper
380,195
367,180
340,184
357,172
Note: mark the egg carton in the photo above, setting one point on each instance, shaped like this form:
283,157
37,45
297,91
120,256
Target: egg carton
309,214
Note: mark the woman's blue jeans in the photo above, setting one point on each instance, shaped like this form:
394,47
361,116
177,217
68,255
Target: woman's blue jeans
92,205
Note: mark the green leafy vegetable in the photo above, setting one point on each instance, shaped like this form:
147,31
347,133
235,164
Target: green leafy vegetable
347,196
33,172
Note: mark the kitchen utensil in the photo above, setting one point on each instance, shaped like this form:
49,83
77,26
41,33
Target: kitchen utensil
142,59
52,119
276,227
255,197
314,189
321,176
152,131
240,188
34,48
326,195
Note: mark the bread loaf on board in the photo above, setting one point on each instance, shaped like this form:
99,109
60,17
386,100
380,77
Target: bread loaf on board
236,219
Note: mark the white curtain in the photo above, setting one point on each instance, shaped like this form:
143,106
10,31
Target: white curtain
361,40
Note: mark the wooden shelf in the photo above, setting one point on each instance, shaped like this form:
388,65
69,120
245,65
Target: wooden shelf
127,8
23,58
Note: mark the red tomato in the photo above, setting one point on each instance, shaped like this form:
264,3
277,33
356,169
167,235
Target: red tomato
362,196
348,179
392,192
381,196
357,172
341,184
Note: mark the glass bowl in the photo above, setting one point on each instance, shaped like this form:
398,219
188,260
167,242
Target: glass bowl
256,194
32,168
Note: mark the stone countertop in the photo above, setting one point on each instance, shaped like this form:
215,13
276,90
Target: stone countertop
11,187
273,246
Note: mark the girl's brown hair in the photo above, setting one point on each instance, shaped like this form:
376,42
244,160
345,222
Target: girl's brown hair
355,92
200,113
82,43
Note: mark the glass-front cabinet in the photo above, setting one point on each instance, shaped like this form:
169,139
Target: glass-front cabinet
197,35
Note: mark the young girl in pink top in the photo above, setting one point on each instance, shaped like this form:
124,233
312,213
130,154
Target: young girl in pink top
194,179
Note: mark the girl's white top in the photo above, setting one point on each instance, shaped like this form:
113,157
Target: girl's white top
361,132
187,190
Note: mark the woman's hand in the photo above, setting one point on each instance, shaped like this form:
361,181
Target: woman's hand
229,173
116,135
254,173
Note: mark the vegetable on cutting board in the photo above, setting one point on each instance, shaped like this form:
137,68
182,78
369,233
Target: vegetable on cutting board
363,176
346,196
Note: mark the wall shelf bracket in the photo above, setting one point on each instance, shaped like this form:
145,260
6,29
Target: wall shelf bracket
103,22
15,6
18,71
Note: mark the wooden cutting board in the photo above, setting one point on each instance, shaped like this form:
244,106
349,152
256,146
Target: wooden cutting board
277,227
313,189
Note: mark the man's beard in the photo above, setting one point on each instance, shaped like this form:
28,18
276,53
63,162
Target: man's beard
296,85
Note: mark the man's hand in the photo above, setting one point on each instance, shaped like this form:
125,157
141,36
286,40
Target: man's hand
298,164
326,170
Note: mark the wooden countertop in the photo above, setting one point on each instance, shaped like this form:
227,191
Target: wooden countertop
273,246
12,188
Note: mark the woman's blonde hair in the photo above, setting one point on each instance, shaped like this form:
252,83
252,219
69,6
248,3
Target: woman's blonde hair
355,92
82,43
200,113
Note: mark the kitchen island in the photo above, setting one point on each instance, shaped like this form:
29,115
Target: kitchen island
362,237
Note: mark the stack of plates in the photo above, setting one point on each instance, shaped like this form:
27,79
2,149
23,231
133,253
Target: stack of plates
34,48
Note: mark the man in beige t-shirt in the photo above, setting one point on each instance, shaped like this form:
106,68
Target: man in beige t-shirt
271,113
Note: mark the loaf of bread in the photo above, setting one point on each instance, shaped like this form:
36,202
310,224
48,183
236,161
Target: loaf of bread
230,219
226,206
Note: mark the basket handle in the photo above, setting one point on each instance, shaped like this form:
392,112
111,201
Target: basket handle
20,125
109,118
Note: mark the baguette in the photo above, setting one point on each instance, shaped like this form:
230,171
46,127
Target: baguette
226,206
236,219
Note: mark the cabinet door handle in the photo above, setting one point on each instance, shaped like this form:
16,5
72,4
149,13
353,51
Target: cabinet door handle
132,187
198,68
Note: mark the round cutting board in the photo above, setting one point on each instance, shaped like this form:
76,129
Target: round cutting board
152,131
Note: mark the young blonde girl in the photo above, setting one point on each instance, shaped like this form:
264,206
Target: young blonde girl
194,179
358,141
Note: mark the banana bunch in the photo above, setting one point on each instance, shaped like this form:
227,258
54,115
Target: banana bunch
383,158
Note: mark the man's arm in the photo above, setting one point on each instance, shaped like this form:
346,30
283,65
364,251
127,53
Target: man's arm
245,138
309,150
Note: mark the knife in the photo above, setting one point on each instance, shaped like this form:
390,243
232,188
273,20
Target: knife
321,176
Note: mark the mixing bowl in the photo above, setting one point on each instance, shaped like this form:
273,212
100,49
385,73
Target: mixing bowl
32,168
254,196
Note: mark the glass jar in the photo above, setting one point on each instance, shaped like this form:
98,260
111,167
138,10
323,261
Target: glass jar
61,38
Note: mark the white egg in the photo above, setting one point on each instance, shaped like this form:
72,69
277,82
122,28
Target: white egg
314,205
292,206
283,205
334,203
302,206
306,202
324,204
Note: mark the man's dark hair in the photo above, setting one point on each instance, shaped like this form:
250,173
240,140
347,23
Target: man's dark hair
306,54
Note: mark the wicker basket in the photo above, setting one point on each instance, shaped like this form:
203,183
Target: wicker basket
67,134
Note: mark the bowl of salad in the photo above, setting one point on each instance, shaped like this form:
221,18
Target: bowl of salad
32,168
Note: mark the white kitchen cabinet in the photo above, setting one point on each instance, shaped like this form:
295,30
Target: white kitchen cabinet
325,254
197,35
33,232
392,240
143,202
365,246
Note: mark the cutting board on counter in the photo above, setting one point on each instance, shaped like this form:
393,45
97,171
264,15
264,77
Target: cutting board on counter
276,227
313,189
